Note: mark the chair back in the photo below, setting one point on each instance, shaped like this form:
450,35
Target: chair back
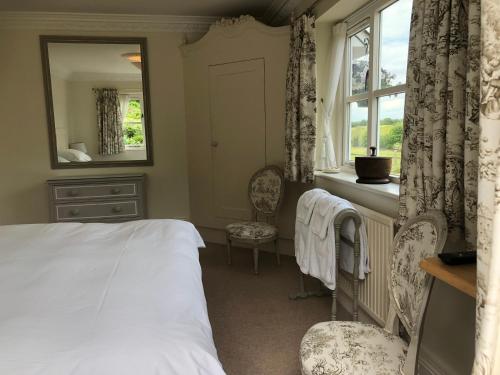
409,286
265,191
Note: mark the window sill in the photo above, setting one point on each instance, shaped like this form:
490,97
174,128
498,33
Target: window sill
390,190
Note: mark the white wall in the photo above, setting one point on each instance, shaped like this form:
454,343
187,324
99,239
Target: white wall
24,148
60,100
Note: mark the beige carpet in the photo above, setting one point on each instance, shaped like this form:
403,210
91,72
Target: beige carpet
257,329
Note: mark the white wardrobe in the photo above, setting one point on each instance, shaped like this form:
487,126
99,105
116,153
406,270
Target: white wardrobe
235,78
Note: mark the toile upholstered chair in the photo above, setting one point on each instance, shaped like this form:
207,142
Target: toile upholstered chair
357,348
265,192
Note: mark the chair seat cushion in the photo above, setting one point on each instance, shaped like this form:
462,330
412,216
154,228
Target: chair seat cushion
351,348
251,230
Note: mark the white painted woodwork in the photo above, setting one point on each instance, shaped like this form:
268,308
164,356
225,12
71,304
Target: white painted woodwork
373,291
238,124
235,81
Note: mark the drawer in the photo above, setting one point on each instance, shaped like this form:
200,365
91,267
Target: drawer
95,191
97,210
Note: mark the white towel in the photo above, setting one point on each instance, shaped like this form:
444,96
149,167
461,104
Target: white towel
326,209
347,251
306,204
315,243
305,207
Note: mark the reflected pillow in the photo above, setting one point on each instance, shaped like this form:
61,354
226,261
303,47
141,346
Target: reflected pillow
60,159
74,155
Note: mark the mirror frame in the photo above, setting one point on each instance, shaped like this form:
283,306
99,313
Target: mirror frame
44,44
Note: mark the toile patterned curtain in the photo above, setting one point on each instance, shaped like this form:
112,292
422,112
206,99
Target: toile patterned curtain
109,121
300,128
487,361
441,123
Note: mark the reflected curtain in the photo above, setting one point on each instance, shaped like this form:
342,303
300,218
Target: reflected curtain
326,160
109,121
441,123
300,127
487,361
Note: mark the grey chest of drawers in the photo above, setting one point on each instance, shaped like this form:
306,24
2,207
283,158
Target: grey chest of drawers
113,198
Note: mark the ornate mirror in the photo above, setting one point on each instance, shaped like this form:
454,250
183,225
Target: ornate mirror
97,99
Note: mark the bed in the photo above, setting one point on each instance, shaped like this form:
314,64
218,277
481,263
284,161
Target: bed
103,299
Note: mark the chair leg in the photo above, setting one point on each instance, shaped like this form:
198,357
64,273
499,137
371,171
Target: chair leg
277,249
256,261
228,241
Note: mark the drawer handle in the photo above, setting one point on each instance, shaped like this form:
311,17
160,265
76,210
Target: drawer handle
116,209
75,212
116,191
73,193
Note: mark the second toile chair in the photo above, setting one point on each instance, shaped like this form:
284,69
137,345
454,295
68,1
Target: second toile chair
265,192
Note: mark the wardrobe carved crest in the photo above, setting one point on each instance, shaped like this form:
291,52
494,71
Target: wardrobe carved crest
233,21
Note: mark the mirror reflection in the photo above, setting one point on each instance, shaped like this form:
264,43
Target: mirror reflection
98,102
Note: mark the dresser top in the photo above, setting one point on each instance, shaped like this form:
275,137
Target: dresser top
126,176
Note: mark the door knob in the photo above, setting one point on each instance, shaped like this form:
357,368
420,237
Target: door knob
215,143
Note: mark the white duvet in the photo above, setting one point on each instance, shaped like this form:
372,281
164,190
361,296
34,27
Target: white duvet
103,299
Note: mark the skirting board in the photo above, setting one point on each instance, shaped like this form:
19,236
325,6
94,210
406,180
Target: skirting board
218,236
427,363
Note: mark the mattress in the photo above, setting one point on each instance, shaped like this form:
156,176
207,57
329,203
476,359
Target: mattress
104,299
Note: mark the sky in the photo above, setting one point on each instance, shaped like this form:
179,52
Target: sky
394,34
389,106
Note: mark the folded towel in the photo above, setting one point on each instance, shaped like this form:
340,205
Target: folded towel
315,241
306,203
305,207
326,209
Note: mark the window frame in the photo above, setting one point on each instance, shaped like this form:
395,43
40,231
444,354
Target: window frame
368,16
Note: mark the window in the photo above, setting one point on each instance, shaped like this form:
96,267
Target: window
376,58
133,124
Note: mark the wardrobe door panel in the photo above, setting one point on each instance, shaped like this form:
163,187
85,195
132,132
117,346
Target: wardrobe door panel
238,133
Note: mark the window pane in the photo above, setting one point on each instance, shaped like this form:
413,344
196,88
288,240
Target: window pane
360,56
394,35
390,131
133,132
358,128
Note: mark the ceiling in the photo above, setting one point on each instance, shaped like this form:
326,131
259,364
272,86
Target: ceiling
334,11
79,61
256,8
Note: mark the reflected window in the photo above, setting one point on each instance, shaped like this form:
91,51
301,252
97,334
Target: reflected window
133,124
360,60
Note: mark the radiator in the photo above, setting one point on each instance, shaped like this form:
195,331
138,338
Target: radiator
373,294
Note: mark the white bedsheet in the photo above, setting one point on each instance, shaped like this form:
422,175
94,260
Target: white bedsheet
103,299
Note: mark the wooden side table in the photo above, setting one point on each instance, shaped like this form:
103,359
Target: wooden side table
461,277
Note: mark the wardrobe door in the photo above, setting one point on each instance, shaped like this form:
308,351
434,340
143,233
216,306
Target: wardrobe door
238,133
